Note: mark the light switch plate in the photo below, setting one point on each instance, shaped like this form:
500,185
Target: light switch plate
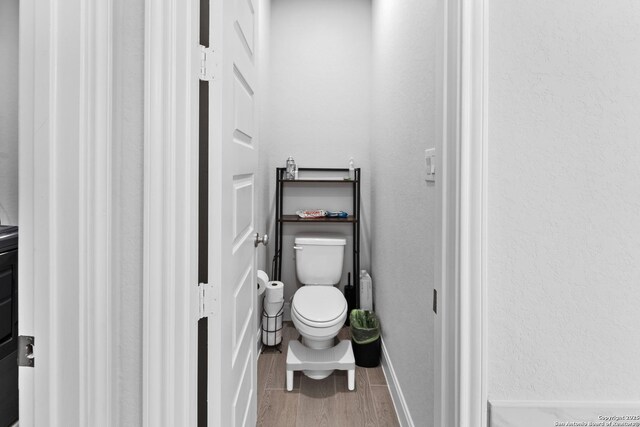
430,164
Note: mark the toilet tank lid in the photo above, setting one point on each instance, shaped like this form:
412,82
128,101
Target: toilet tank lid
320,239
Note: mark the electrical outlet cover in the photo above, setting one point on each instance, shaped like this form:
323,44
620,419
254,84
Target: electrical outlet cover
430,164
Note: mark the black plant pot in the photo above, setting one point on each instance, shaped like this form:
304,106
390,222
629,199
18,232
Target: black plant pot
367,355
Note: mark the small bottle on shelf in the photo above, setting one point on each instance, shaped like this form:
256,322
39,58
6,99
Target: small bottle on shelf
352,170
291,166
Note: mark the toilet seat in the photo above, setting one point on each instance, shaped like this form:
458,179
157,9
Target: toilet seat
319,306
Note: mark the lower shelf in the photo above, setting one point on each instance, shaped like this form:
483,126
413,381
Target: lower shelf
296,218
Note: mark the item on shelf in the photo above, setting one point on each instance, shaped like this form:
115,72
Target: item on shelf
337,214
295,172
314,213
352,170
291,168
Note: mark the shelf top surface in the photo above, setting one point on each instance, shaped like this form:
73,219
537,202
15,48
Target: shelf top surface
320,175
296,218
321,169
303,180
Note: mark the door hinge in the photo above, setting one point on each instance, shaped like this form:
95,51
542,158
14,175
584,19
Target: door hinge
207,300
207,64
25,351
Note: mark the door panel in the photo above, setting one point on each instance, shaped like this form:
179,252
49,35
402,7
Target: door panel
233,163
243,212
243,103
246,23
241,301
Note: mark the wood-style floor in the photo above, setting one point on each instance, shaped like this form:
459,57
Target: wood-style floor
317,403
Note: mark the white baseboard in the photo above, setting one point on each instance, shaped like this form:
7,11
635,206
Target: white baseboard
510,413
400,404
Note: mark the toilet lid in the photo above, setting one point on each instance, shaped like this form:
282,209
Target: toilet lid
319,303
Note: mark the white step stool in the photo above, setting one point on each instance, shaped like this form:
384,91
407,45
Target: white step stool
340,357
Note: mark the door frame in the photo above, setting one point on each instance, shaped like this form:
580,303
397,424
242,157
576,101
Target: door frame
170,244
66,171
461,330
169,354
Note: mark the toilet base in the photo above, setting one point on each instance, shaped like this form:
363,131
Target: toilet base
318,344
320,363
316,374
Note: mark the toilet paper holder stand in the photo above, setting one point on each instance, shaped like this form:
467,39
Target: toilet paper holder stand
272,329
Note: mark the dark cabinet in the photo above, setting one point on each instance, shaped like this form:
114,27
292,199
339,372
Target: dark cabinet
8,331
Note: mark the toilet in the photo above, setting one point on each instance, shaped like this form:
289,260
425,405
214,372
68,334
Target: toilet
319,309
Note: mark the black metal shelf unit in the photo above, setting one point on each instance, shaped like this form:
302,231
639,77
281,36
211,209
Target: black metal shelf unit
353,218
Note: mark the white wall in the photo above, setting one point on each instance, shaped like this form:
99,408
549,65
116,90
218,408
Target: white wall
564,180
403,205
9,112
319,107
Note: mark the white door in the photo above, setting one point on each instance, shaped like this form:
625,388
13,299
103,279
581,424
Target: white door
233,163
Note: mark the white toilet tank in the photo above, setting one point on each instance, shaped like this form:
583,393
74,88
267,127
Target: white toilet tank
319,258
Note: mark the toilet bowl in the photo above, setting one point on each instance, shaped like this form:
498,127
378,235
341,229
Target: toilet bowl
318,314
318,309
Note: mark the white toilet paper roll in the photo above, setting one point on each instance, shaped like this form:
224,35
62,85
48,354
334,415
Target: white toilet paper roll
271,330
263,279
272,308
271,324
275,291
271,338
263,276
